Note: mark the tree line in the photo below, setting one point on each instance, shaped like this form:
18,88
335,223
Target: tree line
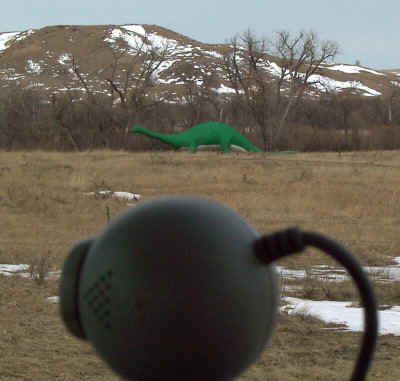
276,107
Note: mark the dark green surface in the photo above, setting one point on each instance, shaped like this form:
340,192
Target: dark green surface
172,289
209,133
69,283
288,152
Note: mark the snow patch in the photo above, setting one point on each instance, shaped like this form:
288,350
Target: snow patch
33,67
64,58
225,90
133,41
274,69
212,53
10,75
109,193
5,38
21,36
22,270
351,69
324,83
135,36
135,28
12,269
343,313
53,299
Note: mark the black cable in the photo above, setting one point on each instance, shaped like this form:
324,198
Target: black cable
283,243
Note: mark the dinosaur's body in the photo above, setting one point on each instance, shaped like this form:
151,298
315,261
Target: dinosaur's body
210,133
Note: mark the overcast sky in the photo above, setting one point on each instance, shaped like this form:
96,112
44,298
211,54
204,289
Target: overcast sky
366,30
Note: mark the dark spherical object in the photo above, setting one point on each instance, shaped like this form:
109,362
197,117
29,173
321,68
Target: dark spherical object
172,289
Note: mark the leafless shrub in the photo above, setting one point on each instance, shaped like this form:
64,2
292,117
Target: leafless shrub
101,185
39,267
311,288
284,286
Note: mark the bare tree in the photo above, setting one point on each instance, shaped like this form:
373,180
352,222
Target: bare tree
200,98
129,81
64,115
299,58
20,117
133,74
272,89
244,68
391,94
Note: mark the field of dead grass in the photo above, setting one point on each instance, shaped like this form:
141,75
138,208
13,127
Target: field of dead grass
352,197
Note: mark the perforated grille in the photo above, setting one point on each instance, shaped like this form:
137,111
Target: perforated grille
98,298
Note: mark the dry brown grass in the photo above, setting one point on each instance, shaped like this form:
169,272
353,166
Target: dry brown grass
352,197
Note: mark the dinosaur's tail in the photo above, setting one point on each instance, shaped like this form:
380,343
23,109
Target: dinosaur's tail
256,150
136,128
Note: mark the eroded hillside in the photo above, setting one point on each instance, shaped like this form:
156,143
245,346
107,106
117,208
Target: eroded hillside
91,58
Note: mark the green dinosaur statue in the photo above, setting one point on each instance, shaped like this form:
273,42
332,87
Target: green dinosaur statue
205,134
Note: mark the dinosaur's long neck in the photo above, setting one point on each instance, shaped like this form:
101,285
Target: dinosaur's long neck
166,138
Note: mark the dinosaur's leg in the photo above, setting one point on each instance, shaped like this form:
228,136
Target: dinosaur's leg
193,147
225,145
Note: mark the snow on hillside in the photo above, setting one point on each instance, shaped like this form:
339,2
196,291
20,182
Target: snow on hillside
325,83
33,67
64,58
136,36
6,37
137,39
351,69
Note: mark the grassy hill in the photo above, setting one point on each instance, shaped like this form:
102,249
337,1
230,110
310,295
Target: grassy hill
47,58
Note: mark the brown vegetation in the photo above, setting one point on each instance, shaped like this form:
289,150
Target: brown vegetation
331,122
352,197
88,91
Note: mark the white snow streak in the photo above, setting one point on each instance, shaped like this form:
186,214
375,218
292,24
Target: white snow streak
351,69
33,67
344,313
5,38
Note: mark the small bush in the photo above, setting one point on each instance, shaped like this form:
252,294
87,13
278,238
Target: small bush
39,268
